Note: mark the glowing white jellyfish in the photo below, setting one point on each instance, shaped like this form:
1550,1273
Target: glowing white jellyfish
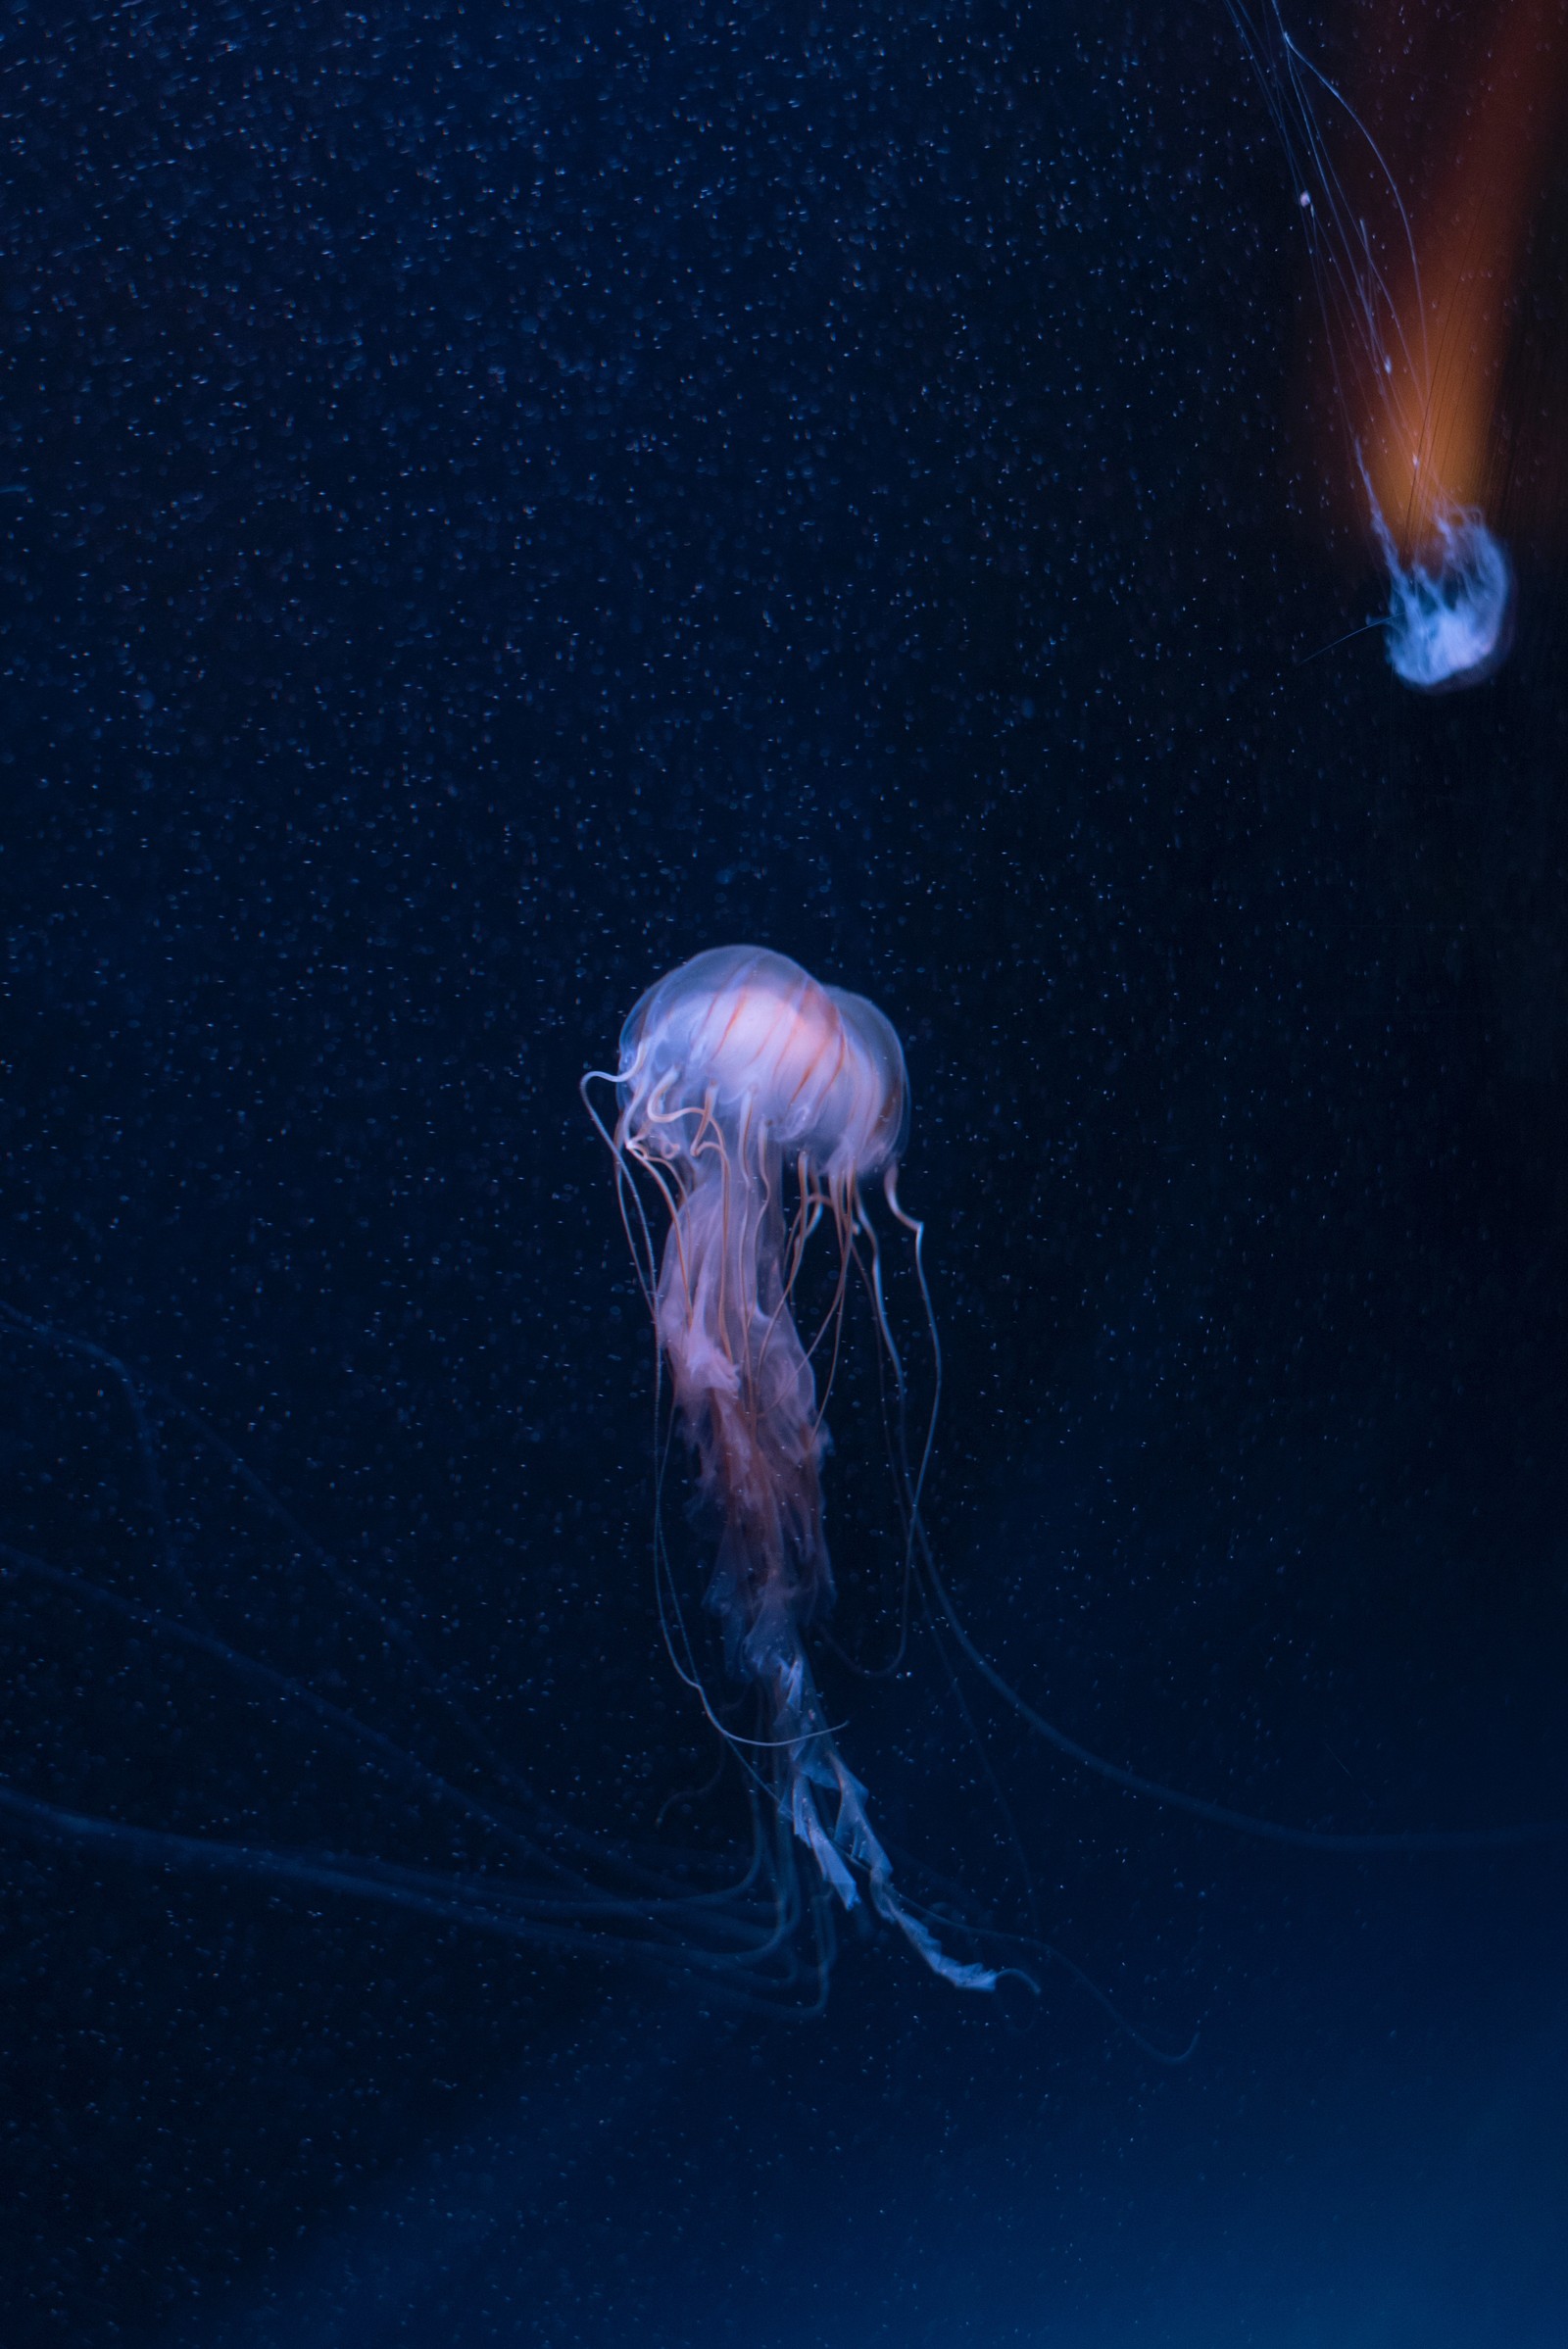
738,1073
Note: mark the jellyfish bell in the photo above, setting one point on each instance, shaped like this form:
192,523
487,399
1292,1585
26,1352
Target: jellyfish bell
1450,609
802,1068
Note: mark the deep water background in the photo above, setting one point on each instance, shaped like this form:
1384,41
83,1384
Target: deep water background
497,502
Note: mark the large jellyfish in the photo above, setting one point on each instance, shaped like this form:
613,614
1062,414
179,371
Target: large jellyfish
760,1101
1415,317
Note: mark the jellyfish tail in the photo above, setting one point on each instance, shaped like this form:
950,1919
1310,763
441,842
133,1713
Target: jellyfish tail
824,1805
747,1400
746,1394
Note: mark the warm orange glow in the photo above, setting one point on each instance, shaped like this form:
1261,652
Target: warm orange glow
1428,445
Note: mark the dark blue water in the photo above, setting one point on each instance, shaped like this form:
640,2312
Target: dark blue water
497,502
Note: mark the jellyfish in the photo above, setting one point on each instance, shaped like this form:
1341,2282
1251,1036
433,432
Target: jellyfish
1450,609
758,1102
1416,318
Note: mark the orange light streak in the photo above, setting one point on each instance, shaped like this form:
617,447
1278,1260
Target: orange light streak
1429,444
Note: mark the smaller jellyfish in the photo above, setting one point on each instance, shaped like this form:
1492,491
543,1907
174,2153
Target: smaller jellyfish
1450,609
1419,424
758,1102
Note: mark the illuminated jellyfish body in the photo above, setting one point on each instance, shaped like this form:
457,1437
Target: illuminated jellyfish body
741,1079
1419,435
1450,609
